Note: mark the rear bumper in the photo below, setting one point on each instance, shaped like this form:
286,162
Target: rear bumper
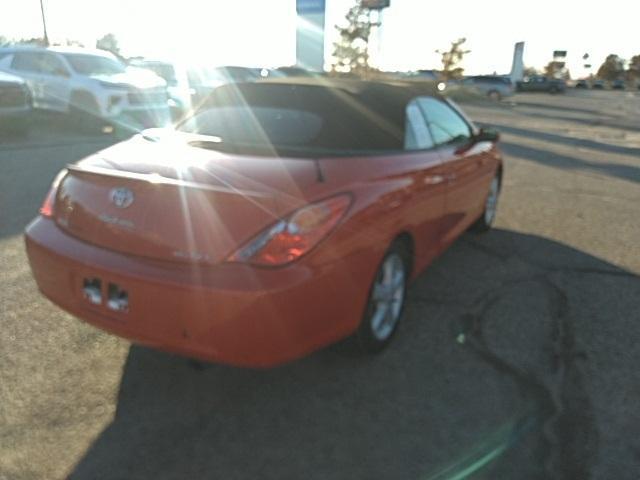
231,313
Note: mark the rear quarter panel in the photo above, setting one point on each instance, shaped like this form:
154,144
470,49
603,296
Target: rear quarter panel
393,194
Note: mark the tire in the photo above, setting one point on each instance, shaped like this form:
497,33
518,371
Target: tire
494,95
386,300
485,222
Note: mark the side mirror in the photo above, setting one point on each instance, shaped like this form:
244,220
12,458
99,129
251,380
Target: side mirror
487,135
61,72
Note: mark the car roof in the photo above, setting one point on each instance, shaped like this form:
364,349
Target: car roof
375,111
398,90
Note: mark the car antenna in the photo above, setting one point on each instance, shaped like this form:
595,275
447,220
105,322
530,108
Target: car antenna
320,175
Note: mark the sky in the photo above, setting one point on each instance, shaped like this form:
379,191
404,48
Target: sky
262,32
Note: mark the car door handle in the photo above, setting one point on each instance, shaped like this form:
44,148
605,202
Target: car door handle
434,179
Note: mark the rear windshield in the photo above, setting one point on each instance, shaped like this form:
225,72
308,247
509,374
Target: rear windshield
299,121
257,126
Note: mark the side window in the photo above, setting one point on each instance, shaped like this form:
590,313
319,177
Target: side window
26,62
51,65
447,127
417,136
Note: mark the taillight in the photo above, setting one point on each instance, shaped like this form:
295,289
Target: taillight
46,210
289,239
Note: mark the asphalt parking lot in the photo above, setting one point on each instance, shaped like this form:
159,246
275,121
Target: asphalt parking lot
518,348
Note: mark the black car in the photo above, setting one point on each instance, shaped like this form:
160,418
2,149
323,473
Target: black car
15,104
598,85
539,83
582,84
618,84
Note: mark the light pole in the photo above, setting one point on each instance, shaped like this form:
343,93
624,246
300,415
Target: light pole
44,25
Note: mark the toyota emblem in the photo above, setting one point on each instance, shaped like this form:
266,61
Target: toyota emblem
121,197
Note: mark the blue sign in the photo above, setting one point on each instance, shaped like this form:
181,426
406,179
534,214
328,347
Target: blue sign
306,7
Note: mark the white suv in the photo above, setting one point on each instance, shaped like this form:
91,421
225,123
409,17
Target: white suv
91,82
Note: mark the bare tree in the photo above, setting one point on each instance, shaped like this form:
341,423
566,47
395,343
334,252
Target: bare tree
555,69
452,58
109,42
612,68
351,52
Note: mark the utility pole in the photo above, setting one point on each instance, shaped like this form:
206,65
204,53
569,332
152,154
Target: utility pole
44,25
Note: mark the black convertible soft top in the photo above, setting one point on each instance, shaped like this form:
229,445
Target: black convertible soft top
357,115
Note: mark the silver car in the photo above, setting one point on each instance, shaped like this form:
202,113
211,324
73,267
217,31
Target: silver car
495,87
15,104
88,81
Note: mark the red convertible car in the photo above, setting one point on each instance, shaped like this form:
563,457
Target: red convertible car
280,217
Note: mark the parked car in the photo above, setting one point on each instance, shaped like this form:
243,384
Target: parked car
15,104
495,87
88,82
178,89
618,84
598,85
582,84
242,74
540,83
282,216
423,75
188,85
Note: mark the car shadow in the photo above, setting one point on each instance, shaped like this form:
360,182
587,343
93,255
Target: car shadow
621,124
563,140
567,162
448,386
547,106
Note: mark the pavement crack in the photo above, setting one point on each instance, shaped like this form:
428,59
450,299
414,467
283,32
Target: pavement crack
569,438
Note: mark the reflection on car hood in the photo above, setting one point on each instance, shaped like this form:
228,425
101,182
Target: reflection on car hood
134,77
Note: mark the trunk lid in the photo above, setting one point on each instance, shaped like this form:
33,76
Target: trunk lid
144,198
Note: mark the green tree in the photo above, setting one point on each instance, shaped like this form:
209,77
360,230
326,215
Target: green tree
69,42
38,41
530,71
633,69
452,59
555,69
612,68
109,42
351,52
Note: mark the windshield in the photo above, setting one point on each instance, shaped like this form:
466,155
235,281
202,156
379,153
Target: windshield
94,64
